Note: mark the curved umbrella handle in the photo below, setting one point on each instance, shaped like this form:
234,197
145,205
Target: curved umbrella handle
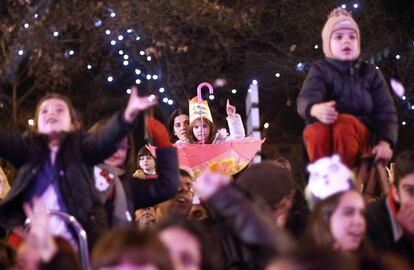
200,86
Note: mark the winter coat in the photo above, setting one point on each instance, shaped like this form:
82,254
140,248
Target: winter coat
358,88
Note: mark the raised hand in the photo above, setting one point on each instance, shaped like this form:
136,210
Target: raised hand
325,112
39,235
137,104
231,110
209,182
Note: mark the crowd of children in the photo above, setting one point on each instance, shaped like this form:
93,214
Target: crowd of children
161,217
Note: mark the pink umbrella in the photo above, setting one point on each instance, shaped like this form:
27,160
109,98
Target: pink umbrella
228,158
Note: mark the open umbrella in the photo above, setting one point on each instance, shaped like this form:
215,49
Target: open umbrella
228,158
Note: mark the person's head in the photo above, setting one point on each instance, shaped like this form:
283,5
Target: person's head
128,248
55,113
146,161
272,183
403,190
181,203
124,155
201,129
338,222
341,36
283,162
191,246
120,156
178,125
145,218
198,212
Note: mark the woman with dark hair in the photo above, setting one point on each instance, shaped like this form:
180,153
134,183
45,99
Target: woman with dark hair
178,125
190,244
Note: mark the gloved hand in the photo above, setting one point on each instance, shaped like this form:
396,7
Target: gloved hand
158,132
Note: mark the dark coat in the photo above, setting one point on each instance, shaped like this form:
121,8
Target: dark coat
380,235
248,237
143,193
78,152
358,88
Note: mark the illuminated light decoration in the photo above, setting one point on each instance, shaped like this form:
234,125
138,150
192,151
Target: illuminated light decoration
30,122
26,25
121,52
277,74
113,42
356,5
125,63
170,102
98,23
377,67
249,90
300,67
254,82
343,6
211,97
88,66
113,14
149,58
20,52
165,100
110,78
316,46
148,77
155,77
398,57
161,90
120,37
137,38
71,52
138,81
412,107
266,125
35,16
137,71
128,91
126,56
108,32
56,34
403,97
141,53
129,31
234,91
403,123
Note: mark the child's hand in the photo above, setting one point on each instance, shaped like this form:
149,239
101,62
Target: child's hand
137,104
208,183
231,110
39,235
382,151
325,112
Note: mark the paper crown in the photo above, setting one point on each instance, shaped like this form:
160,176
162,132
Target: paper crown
199,109
327,176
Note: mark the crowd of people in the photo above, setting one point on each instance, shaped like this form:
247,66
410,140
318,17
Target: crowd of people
155,215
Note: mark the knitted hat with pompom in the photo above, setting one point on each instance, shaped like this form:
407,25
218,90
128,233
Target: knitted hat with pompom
338,19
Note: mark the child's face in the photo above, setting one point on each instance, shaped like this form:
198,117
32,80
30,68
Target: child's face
147,163
181,125
198,130
53,117
347,223
344,44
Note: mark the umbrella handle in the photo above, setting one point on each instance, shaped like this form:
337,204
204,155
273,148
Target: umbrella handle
200,86
199,99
